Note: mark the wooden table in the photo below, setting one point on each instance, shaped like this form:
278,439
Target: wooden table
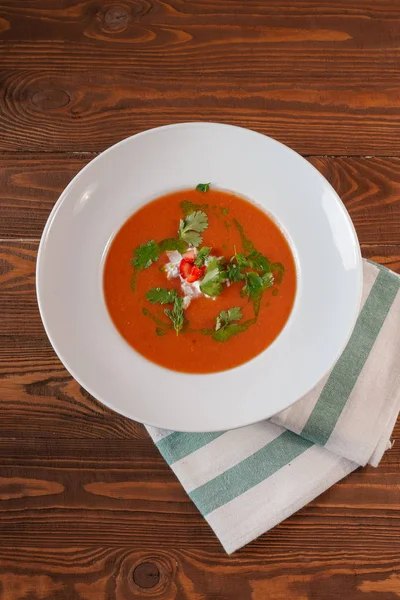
88,508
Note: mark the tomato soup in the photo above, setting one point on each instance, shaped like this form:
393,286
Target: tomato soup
199,280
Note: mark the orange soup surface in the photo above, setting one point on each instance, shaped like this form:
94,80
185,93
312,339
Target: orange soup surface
228,248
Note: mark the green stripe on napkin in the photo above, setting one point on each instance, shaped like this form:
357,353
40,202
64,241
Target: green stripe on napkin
253,478
343,378
177,445
249,472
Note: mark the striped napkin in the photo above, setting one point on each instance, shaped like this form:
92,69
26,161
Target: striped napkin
246,481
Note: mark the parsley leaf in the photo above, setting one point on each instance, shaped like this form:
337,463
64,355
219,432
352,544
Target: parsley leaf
189,207
191,227
203,187
225,333
241,260
176,314
254,284
161,296
145,255
202,255
224,211
258,262
234,272
170,244
268,280
214,276
228,316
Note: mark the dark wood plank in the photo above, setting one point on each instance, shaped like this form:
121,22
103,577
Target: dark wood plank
34,386
123,493
324,40
84,75
88,507
30,185
110,573
89,111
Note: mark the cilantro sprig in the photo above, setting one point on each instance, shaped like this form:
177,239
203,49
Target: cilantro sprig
228,316
226,324
202,255
145,254
192,226
176,314
160,295
203,187
250,268
213,278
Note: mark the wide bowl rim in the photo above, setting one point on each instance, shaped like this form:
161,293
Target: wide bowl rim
154,422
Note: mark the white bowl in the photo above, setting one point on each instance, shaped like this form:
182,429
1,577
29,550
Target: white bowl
113,186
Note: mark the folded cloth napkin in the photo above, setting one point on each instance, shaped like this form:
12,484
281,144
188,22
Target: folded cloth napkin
246,481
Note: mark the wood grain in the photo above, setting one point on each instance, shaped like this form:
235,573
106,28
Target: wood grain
213,37
369,187
106,573
89,510
123,493
64,111
85,75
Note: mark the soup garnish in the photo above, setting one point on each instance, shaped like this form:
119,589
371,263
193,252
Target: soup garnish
188,271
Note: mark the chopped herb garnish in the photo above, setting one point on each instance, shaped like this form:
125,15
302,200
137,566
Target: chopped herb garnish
176,314
268,280
278,270
228,316
202,255
157,321
257,303
203,187
206,331
254,284
246,243
240,259
258,262
234,272
171,244
143,257
225,333
189,207
255,287
191,227
133,280
214,276
161,296
250,266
